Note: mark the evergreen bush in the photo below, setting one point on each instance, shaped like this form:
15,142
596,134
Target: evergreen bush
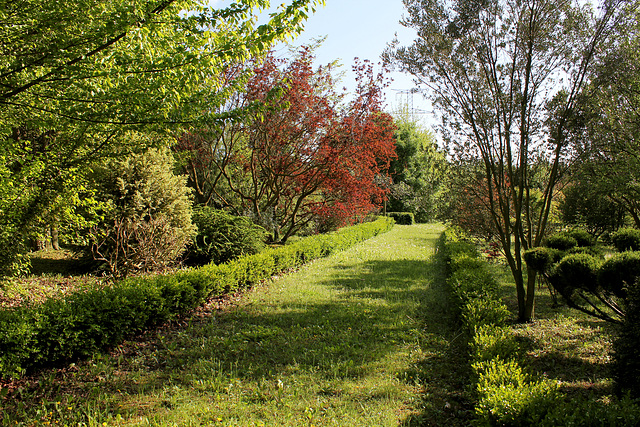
626,239
222,236
560,241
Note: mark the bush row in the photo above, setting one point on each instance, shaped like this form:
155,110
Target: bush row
506,393
402,218
85,322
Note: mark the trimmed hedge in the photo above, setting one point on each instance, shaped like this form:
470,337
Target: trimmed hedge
402,218
506,395
83,323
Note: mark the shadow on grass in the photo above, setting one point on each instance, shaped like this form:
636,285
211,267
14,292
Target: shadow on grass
341,339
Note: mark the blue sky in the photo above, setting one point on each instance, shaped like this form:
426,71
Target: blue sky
362,28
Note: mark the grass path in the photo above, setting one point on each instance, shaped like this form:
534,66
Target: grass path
357,339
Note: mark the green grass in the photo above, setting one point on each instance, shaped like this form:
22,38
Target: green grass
564,344
361,338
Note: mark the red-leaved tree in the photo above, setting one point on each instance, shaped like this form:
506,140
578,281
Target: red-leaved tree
298,154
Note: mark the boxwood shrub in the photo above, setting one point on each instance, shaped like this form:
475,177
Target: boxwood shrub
85,322
505,394
402,218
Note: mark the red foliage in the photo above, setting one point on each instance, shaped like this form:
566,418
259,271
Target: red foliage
298,156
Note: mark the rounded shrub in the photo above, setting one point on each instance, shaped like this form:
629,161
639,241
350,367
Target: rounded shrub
576,271
222,237
560,241
582,237
620,271
539,259
626,239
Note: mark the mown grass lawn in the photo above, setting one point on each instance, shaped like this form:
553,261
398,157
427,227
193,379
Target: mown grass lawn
361,338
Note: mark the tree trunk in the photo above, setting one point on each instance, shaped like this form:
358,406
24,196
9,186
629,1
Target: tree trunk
531,293
55,244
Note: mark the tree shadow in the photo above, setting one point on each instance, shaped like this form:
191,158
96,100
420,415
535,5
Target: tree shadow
341,339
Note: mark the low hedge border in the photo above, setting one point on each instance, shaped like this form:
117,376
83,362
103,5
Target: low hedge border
402,218
61,330
507,393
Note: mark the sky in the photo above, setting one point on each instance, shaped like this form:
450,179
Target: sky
362,29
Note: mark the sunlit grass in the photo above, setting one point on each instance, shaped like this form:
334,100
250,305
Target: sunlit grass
564,344
361,338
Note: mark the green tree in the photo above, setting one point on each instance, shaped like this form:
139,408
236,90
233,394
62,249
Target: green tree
148,217
605,128
493,68
417,173
76,76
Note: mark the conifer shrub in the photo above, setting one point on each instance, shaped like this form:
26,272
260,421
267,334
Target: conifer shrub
619,272
222,237
626,239
148,224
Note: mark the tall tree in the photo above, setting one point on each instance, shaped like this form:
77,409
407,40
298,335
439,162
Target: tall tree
300,155
606,127
75,76
418,173
493,67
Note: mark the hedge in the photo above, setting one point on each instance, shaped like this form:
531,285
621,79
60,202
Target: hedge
402,218
61,330
506,393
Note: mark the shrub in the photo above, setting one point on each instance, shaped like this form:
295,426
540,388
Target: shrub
492,341
576,271
468,283
222,236
402,218
560,241
149,224
626,239
582,237
509,397
619,271
539,259
480,312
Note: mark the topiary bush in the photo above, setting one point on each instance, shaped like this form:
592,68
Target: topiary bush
402,218
576,271
560,241
626,239
222,237
619,272
540,259
582,237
